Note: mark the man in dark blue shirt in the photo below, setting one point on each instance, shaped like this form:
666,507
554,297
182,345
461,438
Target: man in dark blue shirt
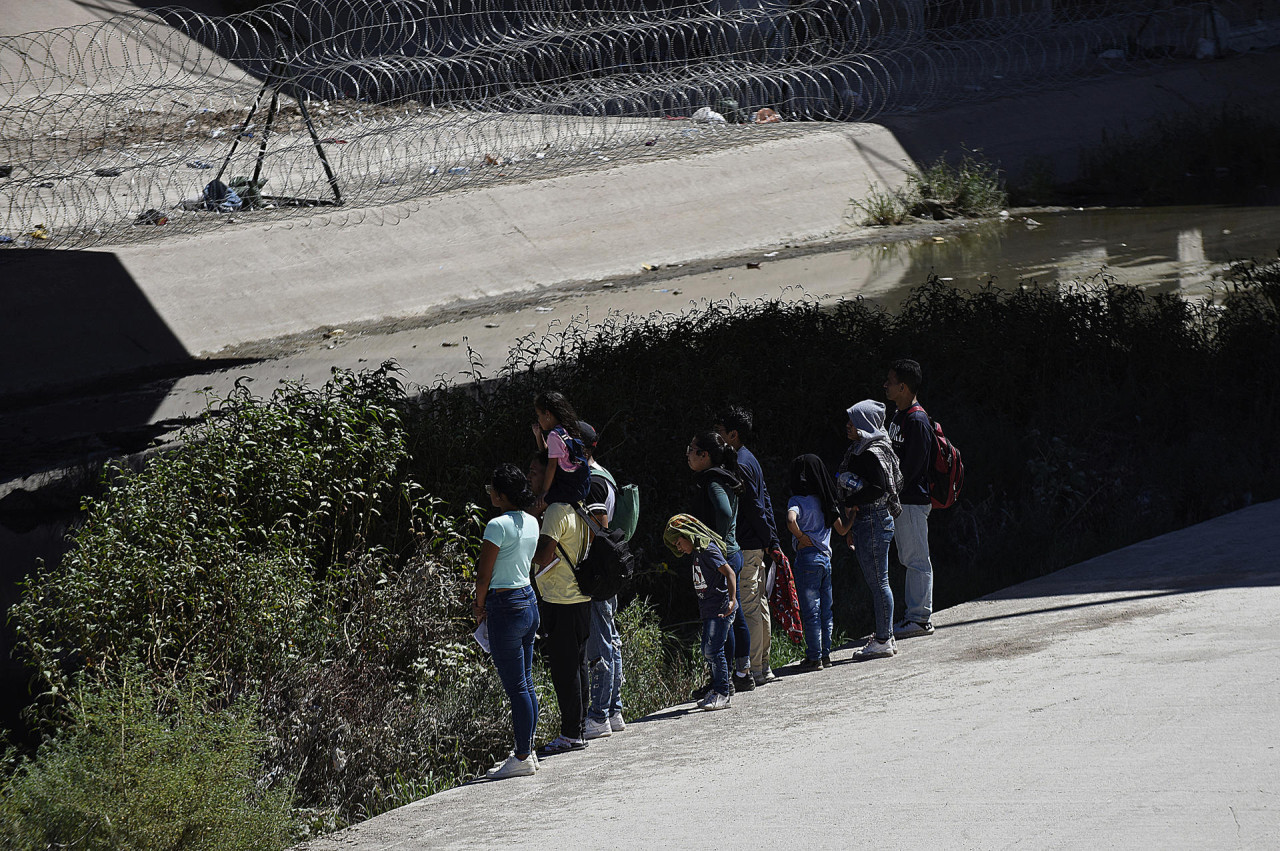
912,437
757,534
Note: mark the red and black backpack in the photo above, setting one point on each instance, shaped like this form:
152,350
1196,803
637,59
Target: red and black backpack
946,474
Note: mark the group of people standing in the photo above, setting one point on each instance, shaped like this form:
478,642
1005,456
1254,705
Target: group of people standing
879,493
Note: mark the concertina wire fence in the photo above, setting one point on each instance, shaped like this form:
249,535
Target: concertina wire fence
114,132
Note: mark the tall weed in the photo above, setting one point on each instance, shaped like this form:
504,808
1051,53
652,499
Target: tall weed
940,190
147,768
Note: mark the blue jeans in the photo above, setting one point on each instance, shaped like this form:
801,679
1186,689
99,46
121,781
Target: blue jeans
513,622
604,661
737,647
813,584
872,532
912,534
715,632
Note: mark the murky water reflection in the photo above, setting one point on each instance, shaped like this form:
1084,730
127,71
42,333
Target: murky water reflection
1163,249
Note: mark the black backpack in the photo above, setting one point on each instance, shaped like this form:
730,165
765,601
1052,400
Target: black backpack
609,563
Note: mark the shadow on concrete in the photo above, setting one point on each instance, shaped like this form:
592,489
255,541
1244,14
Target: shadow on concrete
88,361
72,317
1235,550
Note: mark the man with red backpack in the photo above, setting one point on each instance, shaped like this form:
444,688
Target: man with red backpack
912,437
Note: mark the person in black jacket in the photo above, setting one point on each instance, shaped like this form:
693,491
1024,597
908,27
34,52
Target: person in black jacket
911,434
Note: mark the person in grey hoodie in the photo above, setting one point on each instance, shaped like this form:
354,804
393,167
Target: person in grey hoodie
868,483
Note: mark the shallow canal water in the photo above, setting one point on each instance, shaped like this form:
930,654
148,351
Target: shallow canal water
1164,249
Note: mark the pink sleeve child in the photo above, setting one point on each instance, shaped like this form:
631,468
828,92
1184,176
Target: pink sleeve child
558,451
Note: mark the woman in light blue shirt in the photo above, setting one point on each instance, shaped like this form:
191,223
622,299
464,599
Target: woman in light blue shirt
506,602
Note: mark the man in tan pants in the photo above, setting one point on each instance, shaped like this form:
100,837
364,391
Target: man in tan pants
757,535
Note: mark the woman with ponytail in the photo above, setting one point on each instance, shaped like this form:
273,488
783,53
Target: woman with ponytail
717,487
506,602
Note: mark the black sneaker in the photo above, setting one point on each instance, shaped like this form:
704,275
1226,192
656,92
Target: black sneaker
826,661
701,691
742,682
807,665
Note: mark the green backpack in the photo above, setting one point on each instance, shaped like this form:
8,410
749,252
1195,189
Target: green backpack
626,504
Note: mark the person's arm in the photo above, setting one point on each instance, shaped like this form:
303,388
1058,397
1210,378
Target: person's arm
548,478
845,521
801,536
732,581
545,554
539,437
597,500
484,575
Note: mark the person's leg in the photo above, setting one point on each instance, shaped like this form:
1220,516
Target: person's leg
511,618
581,619
755,609
600,660
883,537
530,637
807,588
565,659
614,707
741,658
825,618
873,558
911,531
713,642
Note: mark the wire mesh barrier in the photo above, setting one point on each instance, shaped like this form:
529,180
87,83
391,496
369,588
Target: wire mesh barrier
165,122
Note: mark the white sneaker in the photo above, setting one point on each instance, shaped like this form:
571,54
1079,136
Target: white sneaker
513,767
597,729
616,724
875,649
713,701
910,629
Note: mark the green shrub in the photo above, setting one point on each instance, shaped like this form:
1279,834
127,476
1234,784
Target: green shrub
147,770
939,190
219,550
945,191
885,206
282,553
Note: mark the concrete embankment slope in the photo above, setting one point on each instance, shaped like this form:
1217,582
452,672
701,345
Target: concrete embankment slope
1131,701
147,305
72,318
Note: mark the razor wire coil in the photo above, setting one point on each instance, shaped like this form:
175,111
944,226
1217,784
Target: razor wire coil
111,132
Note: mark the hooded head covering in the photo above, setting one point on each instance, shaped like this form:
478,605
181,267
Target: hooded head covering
688,526
868,418
809,477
